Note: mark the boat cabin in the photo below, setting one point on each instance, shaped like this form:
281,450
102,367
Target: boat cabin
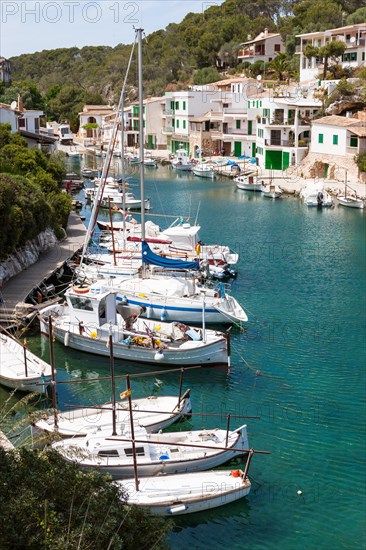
91,306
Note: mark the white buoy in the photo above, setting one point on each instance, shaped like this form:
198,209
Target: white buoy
159,356
66,339
299,492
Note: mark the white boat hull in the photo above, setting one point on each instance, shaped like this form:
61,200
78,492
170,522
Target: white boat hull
164,458
188,354
351,202
78,422
203,173
12,367
187,310
186,493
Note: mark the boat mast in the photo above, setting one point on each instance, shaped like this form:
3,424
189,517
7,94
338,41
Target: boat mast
123,166
141,133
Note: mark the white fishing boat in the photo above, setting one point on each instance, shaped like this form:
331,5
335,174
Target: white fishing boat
178,494
181,160
92,314
148,161
271,191
352,202
20,369
152,413
116,199
74,154
314,194
349,199
249,182
203,170
168,453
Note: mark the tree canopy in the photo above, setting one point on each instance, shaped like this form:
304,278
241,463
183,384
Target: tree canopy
30,192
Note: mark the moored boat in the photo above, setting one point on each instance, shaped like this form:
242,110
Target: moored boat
203,170
152,413
20,369
91,316
178,494
168,453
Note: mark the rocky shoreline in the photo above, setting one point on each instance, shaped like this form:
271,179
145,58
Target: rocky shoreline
27,255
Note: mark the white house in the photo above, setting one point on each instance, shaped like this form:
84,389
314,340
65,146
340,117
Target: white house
283,127
354,36
154,136
27,123
92,114
263,47
9,116
179,108
335,140
225,128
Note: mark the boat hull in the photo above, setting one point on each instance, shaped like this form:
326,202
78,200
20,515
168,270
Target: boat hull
189,312
209,354
186,493
350,202
79,422
13,368
162,465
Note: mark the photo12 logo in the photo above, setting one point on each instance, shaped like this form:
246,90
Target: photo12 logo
71,12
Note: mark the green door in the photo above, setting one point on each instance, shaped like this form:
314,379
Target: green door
253,149
277,160
250,127
150,142
273,160
237,148
285,160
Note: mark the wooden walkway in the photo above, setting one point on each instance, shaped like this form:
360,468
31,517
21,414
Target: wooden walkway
18,288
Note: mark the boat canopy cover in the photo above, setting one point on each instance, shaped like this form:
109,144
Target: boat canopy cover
148,257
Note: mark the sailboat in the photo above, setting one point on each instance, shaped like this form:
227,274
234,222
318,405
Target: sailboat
153,413
349,200
168,453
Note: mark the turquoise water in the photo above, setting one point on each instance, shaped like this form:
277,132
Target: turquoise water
299,366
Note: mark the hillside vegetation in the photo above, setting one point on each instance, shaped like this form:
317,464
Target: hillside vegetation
31,199
62,80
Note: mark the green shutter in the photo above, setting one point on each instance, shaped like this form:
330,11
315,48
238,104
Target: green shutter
321,138
353,141
177,124
184,124
177,104
238,124
250,127
335,139
253,149
184,105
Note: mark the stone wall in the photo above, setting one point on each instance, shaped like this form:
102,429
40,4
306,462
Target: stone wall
27,255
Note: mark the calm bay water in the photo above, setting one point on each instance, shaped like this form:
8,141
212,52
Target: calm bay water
299,366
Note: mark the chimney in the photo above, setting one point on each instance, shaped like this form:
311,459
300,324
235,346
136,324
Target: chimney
20,103
265,32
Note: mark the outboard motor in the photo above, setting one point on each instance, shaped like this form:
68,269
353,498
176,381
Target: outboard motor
320,198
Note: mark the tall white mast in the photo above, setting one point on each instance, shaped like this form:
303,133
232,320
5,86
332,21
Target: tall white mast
141,133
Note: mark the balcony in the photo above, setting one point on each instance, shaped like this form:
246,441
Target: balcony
168,130
274,142
168,112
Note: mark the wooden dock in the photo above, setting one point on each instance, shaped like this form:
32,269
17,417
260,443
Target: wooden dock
18,288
